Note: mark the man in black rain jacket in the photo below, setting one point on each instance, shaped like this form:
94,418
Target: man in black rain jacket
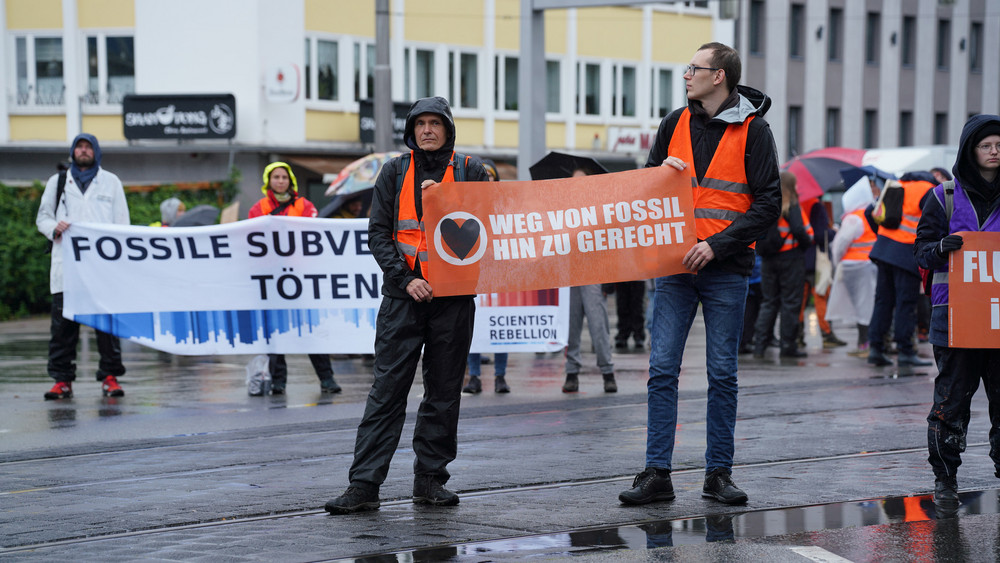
412,319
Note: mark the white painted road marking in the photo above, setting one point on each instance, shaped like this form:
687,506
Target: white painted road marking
819,554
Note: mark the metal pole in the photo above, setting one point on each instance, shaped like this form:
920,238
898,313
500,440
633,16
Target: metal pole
382,98
531,89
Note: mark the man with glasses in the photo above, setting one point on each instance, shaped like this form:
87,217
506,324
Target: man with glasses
973,205
723,142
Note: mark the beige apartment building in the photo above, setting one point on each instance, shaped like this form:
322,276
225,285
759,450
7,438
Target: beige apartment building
301,71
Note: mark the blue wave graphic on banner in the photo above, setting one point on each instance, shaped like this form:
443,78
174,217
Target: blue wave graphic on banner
242,326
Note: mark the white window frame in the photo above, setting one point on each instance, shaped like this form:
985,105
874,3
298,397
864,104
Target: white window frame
102,105
563,69
603,90
676,91
499,100
29,106
362,44
453,58
438,79
617,98
345,74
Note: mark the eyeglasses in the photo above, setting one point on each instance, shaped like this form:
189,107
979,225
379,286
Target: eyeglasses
691,69
986,149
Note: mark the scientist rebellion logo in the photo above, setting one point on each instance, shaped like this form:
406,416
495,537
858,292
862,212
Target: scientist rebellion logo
460,238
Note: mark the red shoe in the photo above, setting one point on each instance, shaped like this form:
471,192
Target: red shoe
111,387
61,390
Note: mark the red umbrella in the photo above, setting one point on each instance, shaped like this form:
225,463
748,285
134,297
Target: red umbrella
819,170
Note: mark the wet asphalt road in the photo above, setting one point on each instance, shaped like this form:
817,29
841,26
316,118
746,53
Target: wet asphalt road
188,467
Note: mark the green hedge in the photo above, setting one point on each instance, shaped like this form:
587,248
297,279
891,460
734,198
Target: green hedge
24,263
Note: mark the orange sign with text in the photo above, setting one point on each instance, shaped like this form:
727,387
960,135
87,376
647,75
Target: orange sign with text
513,236
974,292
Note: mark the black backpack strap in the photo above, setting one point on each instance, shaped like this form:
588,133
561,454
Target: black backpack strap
460,162
60,190
282,207
949,198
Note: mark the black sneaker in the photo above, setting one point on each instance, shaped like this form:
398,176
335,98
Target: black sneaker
793,353
719,485
572,384
329,386
500,385
354,499
474,385
877,358
427,490
649,486
946,494
912,359
610,386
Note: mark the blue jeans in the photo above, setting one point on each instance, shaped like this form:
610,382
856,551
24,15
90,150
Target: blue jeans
722,296
499,365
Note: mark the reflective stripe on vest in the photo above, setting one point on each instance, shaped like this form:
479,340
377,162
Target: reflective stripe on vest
788,241
296,209
409,235
907,231
724,194
861,248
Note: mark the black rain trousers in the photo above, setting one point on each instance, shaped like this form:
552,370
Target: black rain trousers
441,328
959,373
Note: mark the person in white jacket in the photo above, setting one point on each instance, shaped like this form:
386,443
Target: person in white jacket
94,195
852,297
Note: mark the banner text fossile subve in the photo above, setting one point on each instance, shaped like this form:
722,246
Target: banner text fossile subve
287,285
598,234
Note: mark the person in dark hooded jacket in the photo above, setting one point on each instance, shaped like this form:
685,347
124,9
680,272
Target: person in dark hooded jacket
90,194
412,319
975,206
723,142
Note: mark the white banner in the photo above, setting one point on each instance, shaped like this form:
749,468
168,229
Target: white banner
270,284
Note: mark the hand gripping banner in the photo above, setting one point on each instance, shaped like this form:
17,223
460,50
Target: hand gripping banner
513,236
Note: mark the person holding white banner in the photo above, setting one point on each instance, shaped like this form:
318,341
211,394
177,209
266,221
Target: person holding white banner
412,320
281,197
86,193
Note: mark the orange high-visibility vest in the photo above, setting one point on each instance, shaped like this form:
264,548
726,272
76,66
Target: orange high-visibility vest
861,248
788,241
906,233
724,194
296,209
409,235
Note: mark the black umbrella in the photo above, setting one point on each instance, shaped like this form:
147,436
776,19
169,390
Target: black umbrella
197,216
340,200
562,165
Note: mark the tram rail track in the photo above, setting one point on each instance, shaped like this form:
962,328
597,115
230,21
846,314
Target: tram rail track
466,495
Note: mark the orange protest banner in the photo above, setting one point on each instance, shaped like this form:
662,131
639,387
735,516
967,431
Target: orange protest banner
514,236
974,292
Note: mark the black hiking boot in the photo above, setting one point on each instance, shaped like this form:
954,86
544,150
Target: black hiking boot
719,485
427,490
946,495
649,486
354,499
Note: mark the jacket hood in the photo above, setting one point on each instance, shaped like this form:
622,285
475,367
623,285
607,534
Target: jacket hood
966,170
93,143
267,175
436,105
752,102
